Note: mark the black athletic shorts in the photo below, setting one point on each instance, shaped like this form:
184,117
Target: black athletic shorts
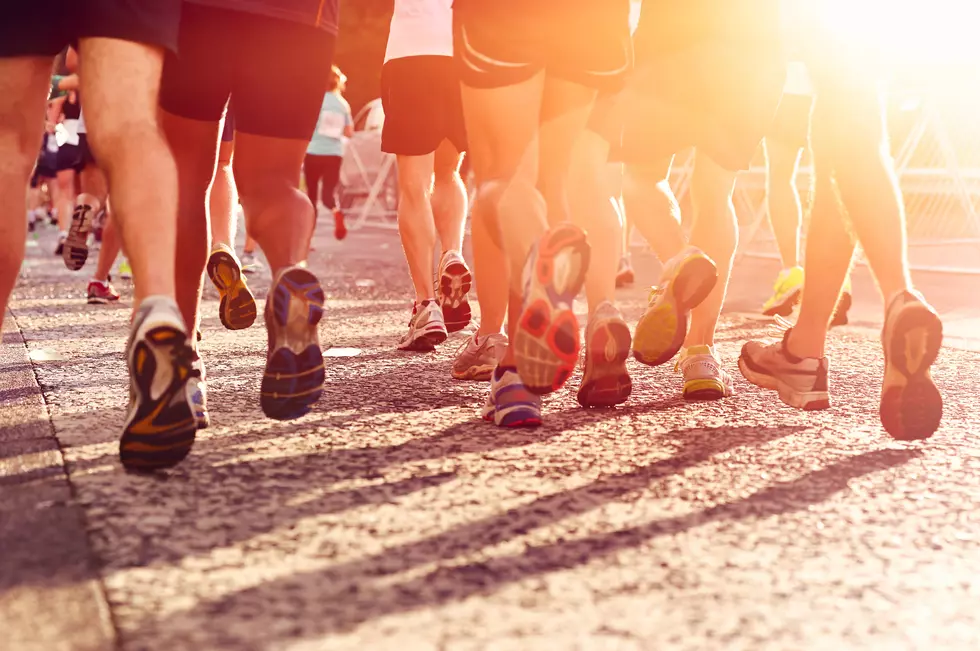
506,42
791,126
422,105
88,158
275,70
34,28
69,158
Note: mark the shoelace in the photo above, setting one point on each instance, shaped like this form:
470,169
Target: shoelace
779,326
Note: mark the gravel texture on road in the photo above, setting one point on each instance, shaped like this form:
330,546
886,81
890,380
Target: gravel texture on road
393,518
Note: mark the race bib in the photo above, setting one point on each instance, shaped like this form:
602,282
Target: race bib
331,124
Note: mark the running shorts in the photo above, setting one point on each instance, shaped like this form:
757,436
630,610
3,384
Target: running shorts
69,158
88,158
507,42
422,105
275,70
791,126
29,28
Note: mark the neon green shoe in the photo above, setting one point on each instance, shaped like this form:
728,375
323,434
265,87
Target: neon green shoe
786,293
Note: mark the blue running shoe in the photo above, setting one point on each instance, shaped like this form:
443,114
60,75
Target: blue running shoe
294,372
510,404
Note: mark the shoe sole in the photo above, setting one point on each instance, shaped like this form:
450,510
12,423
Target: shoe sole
546,343
163,435
703,390
425,342
294,372
805,400
102,301
911,405
660,332
606,382
75,249
237,309
786,305
454,289
527,422
475,374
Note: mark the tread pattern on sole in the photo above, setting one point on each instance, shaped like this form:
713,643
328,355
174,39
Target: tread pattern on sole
162,431
547,343
293,380
911,405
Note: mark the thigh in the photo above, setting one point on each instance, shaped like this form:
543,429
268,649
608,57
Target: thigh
281,73
121,82
507,119
313,168
331,170
23,83
197,79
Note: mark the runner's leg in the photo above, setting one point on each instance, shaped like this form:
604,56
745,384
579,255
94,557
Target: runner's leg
448,197
715,232
22,86
783,199
121,109
222,199
194,146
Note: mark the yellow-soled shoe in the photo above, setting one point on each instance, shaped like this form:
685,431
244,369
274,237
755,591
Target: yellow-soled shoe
686,282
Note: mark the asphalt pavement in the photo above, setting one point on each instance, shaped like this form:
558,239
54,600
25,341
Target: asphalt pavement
393,518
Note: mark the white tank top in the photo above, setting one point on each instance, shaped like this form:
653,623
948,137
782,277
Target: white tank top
420,28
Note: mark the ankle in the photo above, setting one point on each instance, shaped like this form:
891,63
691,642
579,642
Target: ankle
806,344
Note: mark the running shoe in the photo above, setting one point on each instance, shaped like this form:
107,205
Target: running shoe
911,405
197,392
546,342
510,403
339,224
251,264
160,426
426,329
786,293
101,293
75,250
606,382
625,276
704,377
237,309
125,271
686,281
294,372
452,293
476,357
59,249
800,383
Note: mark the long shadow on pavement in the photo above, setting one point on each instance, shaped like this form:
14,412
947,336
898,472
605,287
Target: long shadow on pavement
340,598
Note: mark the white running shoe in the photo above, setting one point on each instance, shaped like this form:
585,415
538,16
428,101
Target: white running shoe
426,330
